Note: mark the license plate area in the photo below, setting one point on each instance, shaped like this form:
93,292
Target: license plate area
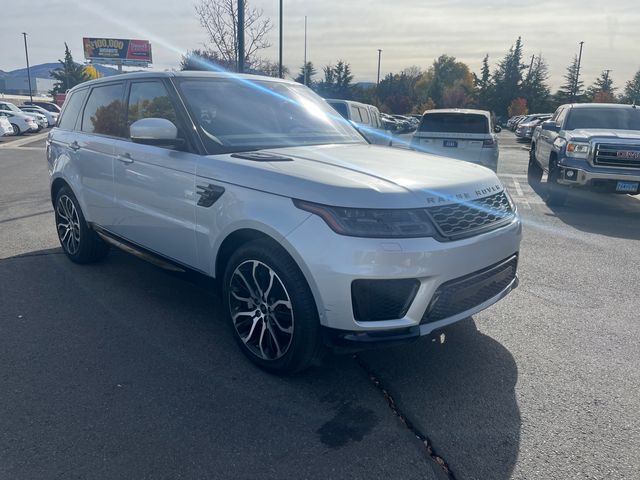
450,143
627,187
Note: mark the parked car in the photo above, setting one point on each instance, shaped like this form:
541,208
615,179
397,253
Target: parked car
593,146
52,117
49,106
458,133
20,122
5,127
366,118
40,119
511,123
525,128
406,125
314,235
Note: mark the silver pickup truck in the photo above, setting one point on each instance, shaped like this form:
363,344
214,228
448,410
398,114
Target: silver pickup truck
593,146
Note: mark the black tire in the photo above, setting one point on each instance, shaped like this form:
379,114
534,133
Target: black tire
534,171
79,242
304,345
16,130
555,194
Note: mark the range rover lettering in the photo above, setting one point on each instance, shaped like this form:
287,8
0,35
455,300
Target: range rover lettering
316,237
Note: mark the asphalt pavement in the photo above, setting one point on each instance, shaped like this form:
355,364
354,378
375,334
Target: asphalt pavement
122,370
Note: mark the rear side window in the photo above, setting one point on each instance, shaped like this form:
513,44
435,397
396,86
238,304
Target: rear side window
71,110
341,108
150,100
454,123
104,112
364,114
355,114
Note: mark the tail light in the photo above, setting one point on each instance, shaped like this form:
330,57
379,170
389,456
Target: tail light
488,143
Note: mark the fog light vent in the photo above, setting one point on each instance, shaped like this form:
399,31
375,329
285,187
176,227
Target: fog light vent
378,300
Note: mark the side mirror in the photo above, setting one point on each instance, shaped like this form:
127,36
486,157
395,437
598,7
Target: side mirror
155,131
497,129
550,126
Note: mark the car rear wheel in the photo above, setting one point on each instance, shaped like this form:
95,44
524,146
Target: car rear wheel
16,129
271,308
79,242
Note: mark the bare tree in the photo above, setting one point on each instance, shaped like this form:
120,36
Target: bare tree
220,19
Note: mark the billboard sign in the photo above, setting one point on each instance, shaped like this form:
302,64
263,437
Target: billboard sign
117,51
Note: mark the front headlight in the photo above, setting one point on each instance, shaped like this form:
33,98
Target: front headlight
371,222
575,149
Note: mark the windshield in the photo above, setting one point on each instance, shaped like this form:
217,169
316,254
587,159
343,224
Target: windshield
609,118
454,123
236,114
9,106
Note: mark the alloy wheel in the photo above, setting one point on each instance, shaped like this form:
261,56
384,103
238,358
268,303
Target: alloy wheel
68,224
261,310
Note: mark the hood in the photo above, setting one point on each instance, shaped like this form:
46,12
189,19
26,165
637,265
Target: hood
366,176
588,133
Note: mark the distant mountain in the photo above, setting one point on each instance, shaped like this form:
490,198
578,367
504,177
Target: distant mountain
42,71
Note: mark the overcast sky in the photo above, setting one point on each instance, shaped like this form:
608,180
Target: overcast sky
410,32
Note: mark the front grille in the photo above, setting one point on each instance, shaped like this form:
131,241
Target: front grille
378,300
461,294
465,219
612,155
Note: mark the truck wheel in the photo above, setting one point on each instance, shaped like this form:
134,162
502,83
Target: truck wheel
556,194
534,171
271,309
79,242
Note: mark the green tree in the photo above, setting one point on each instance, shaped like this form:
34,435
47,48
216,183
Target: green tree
307,72
602,89
445,73
68,75
535,88
572,90
484,84
632,90
207,60
508,78
337,81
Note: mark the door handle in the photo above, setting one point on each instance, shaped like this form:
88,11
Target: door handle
125,158
75,146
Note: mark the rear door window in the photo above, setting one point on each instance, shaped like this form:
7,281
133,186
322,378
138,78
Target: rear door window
454,123
72,109
104,112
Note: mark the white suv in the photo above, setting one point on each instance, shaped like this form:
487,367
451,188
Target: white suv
315,236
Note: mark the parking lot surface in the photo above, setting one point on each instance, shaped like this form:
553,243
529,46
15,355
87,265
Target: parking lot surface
122,370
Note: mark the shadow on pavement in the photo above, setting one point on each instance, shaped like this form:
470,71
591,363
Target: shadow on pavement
117,370
612,215
461,395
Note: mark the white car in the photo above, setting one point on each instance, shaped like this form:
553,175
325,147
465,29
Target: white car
366,118
20,122
5,127
315,236
462,134
52,117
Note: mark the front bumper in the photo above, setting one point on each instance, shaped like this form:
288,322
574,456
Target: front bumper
586,175
332,262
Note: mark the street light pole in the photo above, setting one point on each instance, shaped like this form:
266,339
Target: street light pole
379,54
240,36
26,53
280,47
575,86
305,50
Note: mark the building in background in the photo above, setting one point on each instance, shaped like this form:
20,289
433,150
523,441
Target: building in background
19,85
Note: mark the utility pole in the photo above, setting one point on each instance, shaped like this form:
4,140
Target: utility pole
240,36
530,66
575,85
305,51
280,49
379,54
26,53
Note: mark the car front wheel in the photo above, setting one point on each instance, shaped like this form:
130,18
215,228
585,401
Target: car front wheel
556,194
271,308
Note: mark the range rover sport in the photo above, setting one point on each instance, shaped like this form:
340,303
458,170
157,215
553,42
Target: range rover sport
315,236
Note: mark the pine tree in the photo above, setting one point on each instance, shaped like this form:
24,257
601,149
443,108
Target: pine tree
632,90
68,75
602,90
535,87
572,90
483,83
508,78
310,71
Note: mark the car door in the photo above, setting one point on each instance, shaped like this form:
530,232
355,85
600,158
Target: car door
155,186
101,123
